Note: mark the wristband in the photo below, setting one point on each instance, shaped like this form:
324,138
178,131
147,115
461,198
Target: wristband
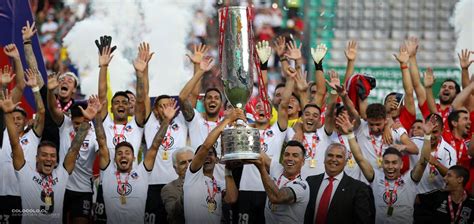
319,66
35,89
350,135
264,66
333,92
100,66
283,59
27,42
228,172
427,137
403,67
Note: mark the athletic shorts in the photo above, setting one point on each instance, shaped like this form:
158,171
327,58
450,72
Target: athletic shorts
77,204
10,209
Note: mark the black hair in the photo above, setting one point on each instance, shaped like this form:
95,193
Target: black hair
456,85
418,120
312,105
280,85
390,94
44,143
339,108
213,89
461,172
129,92
76,111
120,93
392,151
20,110
297,144
376,111
160,97
124,144
454,116
212,148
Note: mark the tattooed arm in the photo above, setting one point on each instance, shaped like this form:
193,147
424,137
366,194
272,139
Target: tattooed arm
71,156
140,109
276,195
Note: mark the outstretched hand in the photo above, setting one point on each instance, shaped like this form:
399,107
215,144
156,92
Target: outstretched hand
170,109
144,52
28,31
264,51
53,81
31,75
291,72
464,59
7,104
93,107
344,123
280,46
429,78
206,64
294,52
6,76
105,57
319,52
412,46
11,51
351,50
334,82
198,53
403,55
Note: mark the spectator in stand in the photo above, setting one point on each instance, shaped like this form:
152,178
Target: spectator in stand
49,28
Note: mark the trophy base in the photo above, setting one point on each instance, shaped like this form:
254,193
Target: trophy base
240,156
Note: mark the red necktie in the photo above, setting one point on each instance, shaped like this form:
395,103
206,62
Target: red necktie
322,212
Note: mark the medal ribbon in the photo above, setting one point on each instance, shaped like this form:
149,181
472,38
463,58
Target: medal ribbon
206,122
47,184
459,149
378,151
341,140
166,142
122,133
289,180
120,184
214,189
65,108
394,192
451,210
312,150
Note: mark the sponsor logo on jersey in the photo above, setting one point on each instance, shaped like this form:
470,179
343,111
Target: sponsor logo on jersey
24,141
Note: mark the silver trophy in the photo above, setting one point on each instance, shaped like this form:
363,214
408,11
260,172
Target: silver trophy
236,52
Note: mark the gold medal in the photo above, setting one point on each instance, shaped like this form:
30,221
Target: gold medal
48,201
379,162
350,163
211,206
312,163
123,199
165,155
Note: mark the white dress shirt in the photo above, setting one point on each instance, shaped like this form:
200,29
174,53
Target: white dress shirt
324,184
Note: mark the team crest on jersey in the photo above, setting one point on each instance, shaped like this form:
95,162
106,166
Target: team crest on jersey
386,198
119,138
24,141
270,133
168,143
85,145
443,207
175,127
128,128
134,175
128,189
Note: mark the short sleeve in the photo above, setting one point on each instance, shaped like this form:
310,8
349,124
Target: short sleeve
425,111
300,188
398,133
406,119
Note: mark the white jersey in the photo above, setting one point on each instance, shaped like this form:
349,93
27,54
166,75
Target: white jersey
315,144
33,198
175,138
8,182
273,139
287,213
136,188
116,133
198,193
81,177
414,157
199,128
404,198
432,179
373,152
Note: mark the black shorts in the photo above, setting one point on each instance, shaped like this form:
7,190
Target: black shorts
77,204
99,207
250,207
155,210
10,209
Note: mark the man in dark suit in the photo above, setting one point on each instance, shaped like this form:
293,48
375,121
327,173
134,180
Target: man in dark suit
336,197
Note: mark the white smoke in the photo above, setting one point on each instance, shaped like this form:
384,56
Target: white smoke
165,24
464,27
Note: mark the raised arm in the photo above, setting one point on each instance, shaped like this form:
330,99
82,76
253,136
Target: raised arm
275,195
8,106
402,58
412,47
56,113
104,157
196,58
285,98
200,157
169,111
465,63
185,103
318,56
429,81
462,98
418,170
27,33
351,53
144,49
5,78
140,66
334,83
231,190
264,51
32,82
105,56
348,129
353,114
12,52
280,48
